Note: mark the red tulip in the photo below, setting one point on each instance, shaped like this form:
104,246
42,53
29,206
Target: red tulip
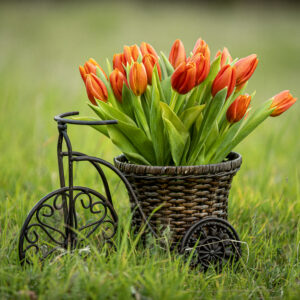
95,88
177,54
184,77
245,68
202,67
225,57
282,102
149,62
225,78
202,47
138,78
238,108
117,80
148,49
131,54
119,62
90,68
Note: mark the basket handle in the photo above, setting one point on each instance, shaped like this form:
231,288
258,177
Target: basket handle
61,120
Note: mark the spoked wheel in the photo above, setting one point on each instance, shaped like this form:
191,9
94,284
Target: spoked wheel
56,225
211,241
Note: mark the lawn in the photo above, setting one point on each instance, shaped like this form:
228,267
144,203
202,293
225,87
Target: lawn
41,48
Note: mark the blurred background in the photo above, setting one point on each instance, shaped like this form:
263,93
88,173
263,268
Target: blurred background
42,43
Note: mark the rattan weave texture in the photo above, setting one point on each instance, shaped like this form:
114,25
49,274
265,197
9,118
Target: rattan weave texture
187,194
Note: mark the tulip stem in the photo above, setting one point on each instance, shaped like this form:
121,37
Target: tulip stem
256,119
222,116
173,99
141,117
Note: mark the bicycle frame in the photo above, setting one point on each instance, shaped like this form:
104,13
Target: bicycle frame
67,191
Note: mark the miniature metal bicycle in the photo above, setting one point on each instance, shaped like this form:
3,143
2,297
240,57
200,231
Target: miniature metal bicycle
65,218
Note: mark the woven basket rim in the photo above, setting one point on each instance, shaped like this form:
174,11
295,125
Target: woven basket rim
234,162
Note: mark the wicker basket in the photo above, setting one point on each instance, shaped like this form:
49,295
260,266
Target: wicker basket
187,194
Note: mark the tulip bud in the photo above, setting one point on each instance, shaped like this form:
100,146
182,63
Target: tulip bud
238,108
282,102
245,68
184,77
177,54
148,49
225,78
202,67
202,47
90,67
82,73
138,78
225,57
119,62
149,62
117,80
95,88
131,54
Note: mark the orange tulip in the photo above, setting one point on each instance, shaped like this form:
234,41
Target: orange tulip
245,68
225,78
90,68
95,88
177,54
202,47
202,67
225,57
119,62
282,102
149,62
238,108
131,53
148,49
138,78
184,77
117,80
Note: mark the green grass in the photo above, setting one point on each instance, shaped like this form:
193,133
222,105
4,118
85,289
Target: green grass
41,48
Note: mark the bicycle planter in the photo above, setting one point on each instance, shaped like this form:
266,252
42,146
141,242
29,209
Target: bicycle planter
181,195
67,217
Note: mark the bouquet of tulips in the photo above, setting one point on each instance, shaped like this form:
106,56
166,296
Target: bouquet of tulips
181,110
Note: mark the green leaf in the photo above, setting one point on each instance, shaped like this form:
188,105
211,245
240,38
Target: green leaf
167,89
190,115
178,135
128,101
128,127
140,58
105,109
214,69
109,67
196,132
192,98
159,138
222,142
155,77
210,115
141,115
213,136
179,103
123,143
146,104
205,93
169,67
250,124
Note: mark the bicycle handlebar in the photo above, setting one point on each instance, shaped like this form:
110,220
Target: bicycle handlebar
61,119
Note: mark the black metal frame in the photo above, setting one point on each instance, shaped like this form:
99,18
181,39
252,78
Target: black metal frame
65,198
211,240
